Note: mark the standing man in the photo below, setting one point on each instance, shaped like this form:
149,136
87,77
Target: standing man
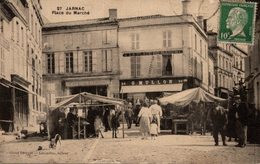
71,120
241,121
129,115
219,121
157,111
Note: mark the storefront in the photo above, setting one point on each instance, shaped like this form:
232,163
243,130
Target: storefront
104,86
6,110
155,87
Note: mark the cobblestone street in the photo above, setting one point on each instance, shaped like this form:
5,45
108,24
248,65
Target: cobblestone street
132,149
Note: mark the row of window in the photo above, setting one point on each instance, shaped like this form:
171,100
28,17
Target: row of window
135,40
20,31
224,63
225,81
201,47
87,61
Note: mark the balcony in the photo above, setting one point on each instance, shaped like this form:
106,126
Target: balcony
20,8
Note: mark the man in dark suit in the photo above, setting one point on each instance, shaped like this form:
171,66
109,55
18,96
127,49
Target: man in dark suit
241,121
71,119
219,121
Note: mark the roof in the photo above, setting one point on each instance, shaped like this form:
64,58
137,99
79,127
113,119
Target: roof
79,23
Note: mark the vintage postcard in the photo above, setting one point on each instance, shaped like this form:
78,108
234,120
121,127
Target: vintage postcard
129,81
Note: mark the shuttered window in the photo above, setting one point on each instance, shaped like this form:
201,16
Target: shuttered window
135,41
88,61
107,60
167,38
135,66
69,62
50,63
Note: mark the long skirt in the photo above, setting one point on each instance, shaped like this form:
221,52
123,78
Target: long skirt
145,125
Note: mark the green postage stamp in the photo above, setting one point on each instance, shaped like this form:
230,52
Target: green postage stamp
237,22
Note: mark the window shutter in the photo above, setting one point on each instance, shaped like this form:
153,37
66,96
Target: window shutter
104,37
80,61
159,64
103,54
56,59
62,62
133,66
137,41
94,60
108,36
75,61
164,38
109,60
133,41
169,38
138,66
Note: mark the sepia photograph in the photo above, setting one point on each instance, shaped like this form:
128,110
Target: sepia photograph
130,81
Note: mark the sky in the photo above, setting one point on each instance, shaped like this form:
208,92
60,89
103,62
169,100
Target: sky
129,8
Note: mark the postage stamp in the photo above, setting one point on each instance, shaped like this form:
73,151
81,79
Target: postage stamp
237,22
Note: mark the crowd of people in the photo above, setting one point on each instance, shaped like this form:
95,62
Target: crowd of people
231,122
227,120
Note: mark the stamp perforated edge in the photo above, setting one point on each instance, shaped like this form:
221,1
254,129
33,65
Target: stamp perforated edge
253,32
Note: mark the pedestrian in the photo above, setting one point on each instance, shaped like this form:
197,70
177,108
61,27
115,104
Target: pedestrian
129,115
106,119
231,127
115,114
241,121
145,117
157,111
98,126
219,121
154,127
136,111
71,121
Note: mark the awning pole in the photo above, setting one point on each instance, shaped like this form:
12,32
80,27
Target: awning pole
123,122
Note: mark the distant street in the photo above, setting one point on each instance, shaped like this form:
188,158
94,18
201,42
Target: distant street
166,148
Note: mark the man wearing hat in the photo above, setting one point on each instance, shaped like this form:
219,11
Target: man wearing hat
241,121
219,121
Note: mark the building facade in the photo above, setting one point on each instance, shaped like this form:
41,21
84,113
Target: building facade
81,56
253,66
162,54
229,65
21,64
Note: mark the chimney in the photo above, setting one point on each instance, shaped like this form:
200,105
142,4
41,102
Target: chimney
200,21
112,14
185,4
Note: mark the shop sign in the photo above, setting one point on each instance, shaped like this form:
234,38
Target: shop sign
151,81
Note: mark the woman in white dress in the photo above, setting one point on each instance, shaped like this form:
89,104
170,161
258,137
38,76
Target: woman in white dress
145,116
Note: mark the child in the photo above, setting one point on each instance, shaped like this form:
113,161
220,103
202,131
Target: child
98,126
154,127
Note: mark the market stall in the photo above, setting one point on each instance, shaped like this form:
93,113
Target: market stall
82,103
189,101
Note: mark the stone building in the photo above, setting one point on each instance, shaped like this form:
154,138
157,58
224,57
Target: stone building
253,65
81,56
21,64
229,65
162,54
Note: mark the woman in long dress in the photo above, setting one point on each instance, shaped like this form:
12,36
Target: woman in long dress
145,116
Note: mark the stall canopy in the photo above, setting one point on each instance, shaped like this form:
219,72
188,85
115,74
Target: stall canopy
190,95
87,99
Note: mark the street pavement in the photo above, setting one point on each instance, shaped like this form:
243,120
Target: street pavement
167,148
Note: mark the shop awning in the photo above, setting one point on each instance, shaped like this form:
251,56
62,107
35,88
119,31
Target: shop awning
152,88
